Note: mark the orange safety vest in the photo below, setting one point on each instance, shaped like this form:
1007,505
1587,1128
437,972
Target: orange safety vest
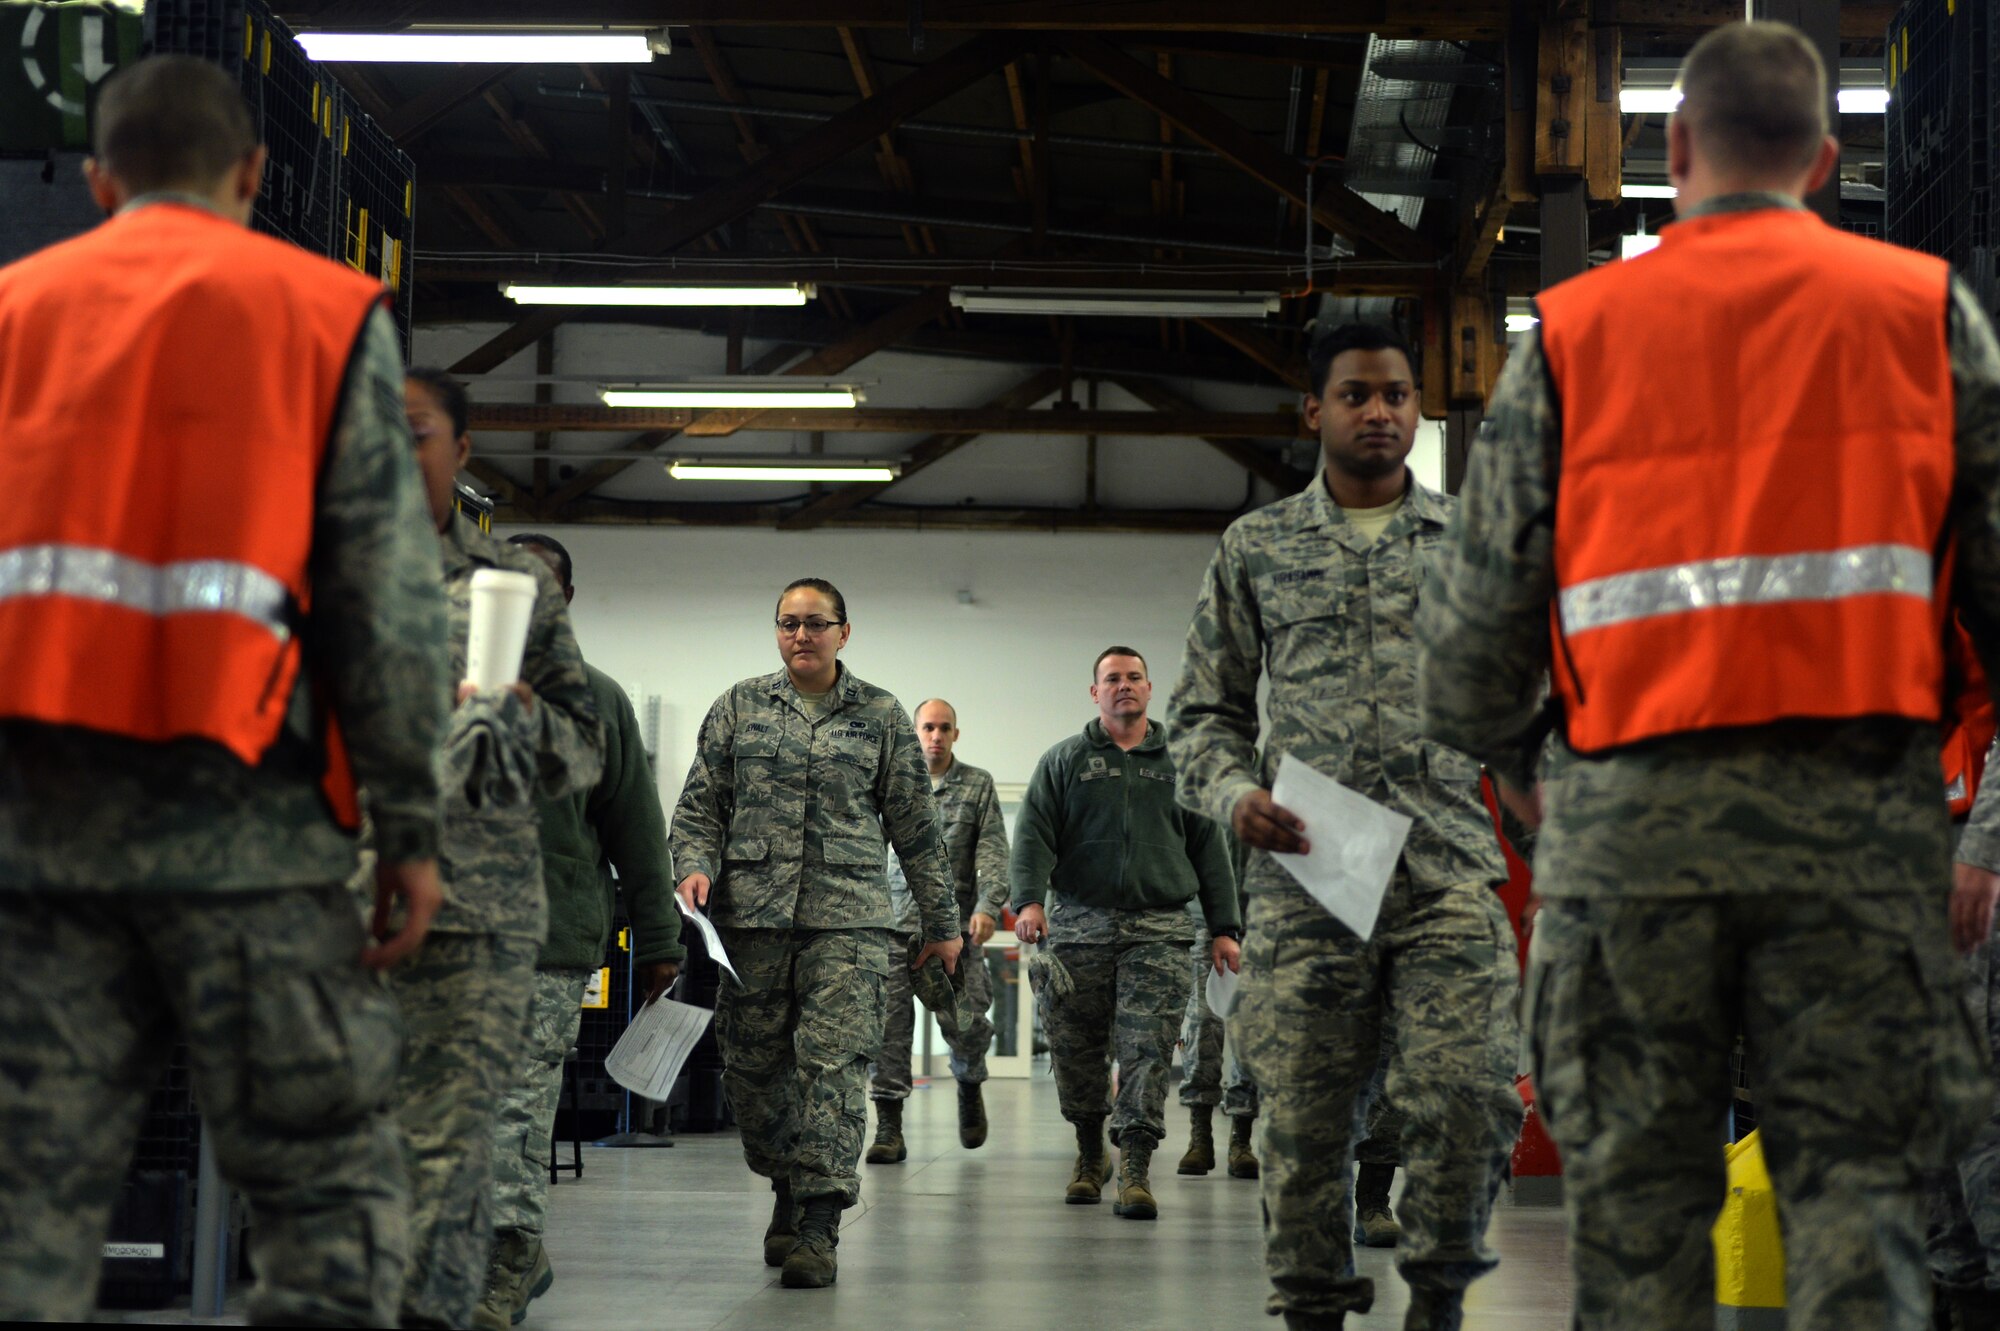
1969,722
1757,454
168,385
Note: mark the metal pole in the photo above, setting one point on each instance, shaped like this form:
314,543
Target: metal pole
211,1232
1565,229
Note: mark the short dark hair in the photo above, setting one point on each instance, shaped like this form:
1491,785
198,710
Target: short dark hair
1754,96
549,543
822,586
1098,664
450,394
171,122
1353,337
940,702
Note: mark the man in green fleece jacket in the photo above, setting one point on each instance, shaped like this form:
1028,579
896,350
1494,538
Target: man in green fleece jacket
1099,829
620,822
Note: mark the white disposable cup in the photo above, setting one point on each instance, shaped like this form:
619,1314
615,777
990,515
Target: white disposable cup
502,604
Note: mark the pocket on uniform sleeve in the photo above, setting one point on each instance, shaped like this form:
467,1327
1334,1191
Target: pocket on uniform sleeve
324,1037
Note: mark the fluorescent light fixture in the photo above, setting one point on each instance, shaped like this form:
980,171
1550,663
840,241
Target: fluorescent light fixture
1648,191
1147,304
1852,101
781,469
1521,323
527,294
698,395
1631,247
480,48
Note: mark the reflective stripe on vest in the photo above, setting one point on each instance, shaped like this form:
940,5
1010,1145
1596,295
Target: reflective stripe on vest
1709,584
199,586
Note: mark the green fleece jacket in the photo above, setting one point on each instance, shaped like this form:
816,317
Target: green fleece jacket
618,821
1100,827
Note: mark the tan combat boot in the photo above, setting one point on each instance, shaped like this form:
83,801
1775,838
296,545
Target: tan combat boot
1135,1196
1200,1157
1242,1159
812,1264
888,1147
1093,1165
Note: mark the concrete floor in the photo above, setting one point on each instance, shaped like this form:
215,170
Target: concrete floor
957,1238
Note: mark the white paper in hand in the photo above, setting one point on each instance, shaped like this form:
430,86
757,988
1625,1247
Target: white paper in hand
710,939
1222,992
647,1059
1355,844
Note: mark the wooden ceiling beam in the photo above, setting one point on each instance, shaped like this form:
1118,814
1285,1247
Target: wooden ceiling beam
1252,342
884,517
1336,207
1458,20
588,418
782,168
925,453
1265,466
409,121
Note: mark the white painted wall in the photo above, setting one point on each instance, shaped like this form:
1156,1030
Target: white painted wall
683,614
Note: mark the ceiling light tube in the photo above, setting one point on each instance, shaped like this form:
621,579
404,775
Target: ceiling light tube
1163,304
522,293
1648,191
779,469
698,396
480,48
1521,323
1852,101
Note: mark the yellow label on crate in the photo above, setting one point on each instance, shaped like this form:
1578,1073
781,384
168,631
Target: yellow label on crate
346,133
624,940
249,36
409,196
266,63
597,993
392,261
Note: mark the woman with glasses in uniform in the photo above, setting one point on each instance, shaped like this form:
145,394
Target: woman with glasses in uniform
779,833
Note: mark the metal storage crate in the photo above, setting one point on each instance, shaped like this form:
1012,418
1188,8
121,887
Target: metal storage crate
1942,151
337,184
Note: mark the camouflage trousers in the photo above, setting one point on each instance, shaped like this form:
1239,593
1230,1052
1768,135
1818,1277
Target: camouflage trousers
293,1049
1862,1061
1440,976
1382,1126
1206,1050
465,999
890,1074
523,1140
1126,1008
1964,1236
797,1034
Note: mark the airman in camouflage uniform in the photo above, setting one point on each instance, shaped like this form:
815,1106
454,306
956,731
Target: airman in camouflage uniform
1963,1239
1302,592
975,842
1100,833
155,893
1206,1050
1788,878
782,830
465,995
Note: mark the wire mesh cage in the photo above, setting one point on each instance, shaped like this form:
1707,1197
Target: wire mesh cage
337,185
1939,63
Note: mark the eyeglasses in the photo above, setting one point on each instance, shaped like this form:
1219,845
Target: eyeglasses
815,627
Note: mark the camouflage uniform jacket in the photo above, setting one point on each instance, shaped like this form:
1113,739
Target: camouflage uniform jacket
501,756
1330,619
80,809
786,812
1485,630
975,842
